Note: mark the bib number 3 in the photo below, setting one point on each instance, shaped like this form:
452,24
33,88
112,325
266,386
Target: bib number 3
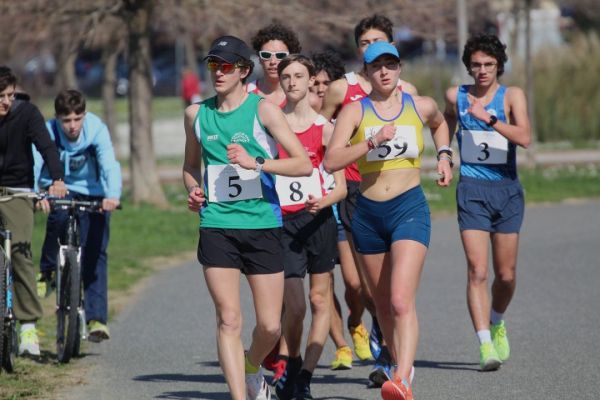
232,183
484,147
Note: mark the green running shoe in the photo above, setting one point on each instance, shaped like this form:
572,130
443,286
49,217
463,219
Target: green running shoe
488,357
500,340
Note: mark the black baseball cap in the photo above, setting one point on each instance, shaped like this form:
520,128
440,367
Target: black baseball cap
229,49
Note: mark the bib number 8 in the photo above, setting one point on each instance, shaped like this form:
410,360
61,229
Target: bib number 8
296,194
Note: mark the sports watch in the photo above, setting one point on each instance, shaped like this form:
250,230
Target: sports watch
493,120
259,164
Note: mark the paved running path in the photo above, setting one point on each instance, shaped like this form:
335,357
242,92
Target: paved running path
163,344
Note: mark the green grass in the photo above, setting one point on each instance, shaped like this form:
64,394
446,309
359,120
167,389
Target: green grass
140,233
162,107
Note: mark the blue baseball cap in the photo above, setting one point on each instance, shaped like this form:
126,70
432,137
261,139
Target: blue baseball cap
378,49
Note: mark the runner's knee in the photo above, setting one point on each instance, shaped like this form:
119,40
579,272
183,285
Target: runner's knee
229,322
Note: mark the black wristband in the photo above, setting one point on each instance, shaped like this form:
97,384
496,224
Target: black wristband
444,151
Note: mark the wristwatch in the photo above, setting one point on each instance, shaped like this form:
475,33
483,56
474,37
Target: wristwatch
260,162
493,120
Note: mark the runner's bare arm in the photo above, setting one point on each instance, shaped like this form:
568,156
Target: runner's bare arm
298,164
433,117
334,96
192,174
338,154
450,110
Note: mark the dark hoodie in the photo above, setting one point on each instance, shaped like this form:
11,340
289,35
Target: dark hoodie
22,126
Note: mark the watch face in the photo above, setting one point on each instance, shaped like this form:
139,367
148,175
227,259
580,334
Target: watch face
260,160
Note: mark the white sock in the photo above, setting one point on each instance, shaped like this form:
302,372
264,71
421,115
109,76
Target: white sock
496,317
484,336
27,326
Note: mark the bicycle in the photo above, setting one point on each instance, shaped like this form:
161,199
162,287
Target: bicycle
71,325
9,340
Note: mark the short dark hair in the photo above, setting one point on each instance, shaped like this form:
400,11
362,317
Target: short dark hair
376,21
299,58
7,78
276,31
69,101
488,44
330,62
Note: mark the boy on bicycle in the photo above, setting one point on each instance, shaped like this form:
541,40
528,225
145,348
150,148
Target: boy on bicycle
91,173
21,125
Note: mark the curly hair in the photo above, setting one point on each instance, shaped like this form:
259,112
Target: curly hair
276,31
376,21
488,44
330,62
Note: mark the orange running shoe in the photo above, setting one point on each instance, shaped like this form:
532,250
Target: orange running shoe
395,389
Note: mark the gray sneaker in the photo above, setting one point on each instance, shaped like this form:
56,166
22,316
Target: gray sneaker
29,343
256,386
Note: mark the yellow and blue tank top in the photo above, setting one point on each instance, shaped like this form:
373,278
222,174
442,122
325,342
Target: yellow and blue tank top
404,151
484,153
214,131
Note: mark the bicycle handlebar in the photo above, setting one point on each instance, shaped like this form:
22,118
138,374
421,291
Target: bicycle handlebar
81,205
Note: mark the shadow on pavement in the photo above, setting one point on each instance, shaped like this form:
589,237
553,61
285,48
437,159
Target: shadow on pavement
447,365
194,395
215,378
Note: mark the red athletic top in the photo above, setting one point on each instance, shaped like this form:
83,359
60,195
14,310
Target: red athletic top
252,87
354,93
312,140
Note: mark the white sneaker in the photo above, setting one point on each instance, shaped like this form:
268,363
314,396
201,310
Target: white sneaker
256,386
29,342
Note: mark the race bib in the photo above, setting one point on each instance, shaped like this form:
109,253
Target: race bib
295,190
484,147
403,145
328,180
232,183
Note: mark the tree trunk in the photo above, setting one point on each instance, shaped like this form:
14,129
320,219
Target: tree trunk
145,183
109,59
66,66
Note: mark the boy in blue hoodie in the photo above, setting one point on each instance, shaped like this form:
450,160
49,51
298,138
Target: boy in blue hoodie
91,173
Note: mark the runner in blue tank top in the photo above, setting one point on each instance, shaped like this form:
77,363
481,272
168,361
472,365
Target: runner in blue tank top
491,120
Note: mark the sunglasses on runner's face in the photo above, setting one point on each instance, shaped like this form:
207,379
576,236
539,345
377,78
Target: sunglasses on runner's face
266,55
226,68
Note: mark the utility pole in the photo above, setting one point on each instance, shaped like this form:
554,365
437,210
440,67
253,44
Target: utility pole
529,86
462,27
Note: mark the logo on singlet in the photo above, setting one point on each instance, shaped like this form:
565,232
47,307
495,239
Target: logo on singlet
240,137
212,138
356,97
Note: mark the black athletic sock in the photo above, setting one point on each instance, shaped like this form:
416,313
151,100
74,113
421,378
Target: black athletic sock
384,357
304,377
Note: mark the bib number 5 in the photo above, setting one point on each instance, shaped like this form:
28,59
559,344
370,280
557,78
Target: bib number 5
232,183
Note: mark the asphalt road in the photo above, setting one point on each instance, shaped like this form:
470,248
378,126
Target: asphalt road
163,344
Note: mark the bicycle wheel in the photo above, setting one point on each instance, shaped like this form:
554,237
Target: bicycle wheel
67,318
3,295
11,346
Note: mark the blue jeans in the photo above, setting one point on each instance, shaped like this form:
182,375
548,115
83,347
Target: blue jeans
94,235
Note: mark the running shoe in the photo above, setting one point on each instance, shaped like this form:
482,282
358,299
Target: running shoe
286,384
360,339
343,358
280,367
29,343
500,340
488,357
302,391
375,339
256,386
382,371
97,332
271,358
396,389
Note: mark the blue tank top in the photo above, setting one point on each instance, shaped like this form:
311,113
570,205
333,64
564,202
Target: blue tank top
484,153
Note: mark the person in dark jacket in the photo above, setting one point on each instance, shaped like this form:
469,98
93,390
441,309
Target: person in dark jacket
21,125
